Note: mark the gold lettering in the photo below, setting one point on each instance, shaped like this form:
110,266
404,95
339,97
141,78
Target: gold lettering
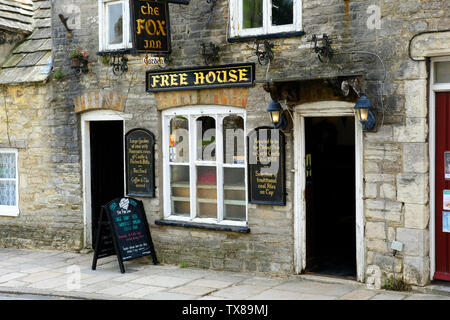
173,80
210,75
140,25
243,75
224,78
161,28
233,76
165,80
147,27
155,80
199,78
183,79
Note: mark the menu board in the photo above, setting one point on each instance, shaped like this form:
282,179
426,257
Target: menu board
266,166
128,227
140,163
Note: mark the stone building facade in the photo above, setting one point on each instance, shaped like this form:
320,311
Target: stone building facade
379,48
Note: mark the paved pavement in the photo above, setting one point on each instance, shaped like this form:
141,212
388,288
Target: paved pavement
37,274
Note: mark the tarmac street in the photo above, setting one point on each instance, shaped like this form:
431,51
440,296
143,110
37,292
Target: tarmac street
57,275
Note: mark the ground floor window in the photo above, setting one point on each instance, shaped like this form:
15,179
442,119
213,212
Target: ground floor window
205,165
9,198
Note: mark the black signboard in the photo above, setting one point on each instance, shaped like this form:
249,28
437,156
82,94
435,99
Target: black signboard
233,75
266,166
140,163
151,26
123,220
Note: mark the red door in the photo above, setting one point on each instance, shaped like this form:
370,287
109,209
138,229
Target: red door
442,145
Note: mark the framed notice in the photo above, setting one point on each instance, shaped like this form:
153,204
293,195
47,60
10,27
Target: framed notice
140,163
445,221
446,198
447,165
266,166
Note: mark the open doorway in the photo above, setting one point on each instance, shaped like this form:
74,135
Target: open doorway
330,196
107,166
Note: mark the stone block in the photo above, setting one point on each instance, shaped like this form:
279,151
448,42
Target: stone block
415,157
416,98
376,230
415,241
412,188
417,216
414,130
416,270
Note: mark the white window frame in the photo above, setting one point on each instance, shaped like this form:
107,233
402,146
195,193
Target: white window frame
192,113
11,211
127,41
236,20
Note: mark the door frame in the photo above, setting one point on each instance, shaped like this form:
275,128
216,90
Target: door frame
86,118
325,109
433,89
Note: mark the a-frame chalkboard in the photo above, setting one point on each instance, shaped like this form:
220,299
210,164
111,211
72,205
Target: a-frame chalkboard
123,221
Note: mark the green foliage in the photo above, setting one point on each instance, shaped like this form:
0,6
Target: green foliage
58,75
105,60
396,285
184,265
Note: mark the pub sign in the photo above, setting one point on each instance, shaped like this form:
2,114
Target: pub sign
151,26
225,76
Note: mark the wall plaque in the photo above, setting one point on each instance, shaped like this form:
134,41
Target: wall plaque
266,166
235,75
140,163
151,26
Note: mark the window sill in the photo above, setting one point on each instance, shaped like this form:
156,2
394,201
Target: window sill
9,212
117,52
267,36
205,226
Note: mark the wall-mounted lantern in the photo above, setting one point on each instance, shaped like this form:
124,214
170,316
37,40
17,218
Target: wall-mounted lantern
363,113
277,115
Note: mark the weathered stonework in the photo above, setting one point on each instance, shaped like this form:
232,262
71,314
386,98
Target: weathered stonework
43,122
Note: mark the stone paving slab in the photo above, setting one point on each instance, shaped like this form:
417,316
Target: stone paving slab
48,272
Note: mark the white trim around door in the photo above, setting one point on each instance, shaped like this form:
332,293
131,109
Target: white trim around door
324,109
86,118
434,88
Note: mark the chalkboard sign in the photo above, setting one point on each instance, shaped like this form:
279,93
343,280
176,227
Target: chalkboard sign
151,26
140,163
266,166
123,220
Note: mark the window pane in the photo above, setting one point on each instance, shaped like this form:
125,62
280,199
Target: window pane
234,207
442,74
7,166
115,23
180,190
233,140
252,13
179,140
206,192
8,193
282,12
206,139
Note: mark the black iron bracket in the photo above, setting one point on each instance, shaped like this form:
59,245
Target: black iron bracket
210,53
324,52
119,63
264,56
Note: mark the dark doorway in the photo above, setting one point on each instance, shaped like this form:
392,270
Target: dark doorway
330,196
107,166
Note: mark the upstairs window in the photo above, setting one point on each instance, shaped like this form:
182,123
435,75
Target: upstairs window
264,17
114,25
9,193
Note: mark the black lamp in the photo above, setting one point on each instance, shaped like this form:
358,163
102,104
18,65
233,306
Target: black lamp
277,116
363,113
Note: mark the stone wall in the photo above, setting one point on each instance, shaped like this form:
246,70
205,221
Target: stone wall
49,180
396,205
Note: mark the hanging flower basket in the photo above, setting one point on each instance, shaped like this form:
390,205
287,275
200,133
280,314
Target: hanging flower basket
79,59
